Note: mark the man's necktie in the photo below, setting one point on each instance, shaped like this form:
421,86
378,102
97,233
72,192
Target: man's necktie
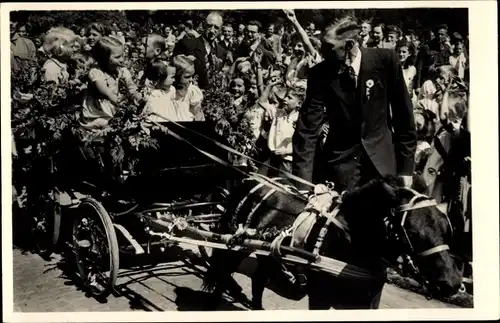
349,75
348,71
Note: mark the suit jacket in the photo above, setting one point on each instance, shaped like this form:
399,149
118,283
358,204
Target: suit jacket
268,57
196,48
381,123
229,47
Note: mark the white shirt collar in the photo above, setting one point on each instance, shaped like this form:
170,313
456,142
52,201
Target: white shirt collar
356,63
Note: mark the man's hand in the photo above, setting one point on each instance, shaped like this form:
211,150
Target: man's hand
257,56
407,181
255,43
281,151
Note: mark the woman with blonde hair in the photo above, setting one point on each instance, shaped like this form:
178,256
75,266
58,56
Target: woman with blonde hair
58,46
188,95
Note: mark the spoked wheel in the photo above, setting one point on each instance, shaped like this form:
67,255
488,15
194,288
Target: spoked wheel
220,195
45,215
96,248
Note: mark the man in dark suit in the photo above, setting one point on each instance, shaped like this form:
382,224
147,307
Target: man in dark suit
371,133
205,48
254,41
228,42
363,93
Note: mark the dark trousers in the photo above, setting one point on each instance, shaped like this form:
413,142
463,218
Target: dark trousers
353,168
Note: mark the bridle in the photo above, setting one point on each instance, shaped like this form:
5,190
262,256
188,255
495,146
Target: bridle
396,227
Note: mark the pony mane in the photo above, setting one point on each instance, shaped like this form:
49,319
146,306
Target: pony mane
374,190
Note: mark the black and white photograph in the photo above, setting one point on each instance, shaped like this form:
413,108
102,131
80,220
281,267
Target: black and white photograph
249,157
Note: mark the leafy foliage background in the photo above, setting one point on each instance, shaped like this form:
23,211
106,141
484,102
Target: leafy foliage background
417,18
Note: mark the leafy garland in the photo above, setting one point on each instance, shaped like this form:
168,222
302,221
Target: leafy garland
43,115
230,121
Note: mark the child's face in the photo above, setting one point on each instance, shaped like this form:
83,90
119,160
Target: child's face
404,53
116,58
22,31
186,77
290,102
298,48
134,56
392,38
151,51
238,87
169,81
76,47
459,48
94,37
253,90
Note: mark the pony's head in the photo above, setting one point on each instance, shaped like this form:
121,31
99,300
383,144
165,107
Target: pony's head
416,230
421,234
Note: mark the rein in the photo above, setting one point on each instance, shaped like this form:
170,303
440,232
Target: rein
266,181
234,151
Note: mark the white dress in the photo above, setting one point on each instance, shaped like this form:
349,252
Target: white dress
409,75
162,102
191,101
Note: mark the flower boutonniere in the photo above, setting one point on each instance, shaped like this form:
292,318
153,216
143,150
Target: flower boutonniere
369,84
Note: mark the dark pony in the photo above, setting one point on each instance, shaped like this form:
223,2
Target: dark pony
367,235
447,172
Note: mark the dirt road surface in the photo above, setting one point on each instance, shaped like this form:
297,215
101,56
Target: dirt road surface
173,285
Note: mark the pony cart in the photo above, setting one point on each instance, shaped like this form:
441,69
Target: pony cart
178,196
113,216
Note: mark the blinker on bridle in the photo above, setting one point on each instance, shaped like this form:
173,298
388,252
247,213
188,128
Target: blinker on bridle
418,201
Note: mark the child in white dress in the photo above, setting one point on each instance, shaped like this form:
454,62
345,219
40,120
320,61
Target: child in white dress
160,102
188,96
58,46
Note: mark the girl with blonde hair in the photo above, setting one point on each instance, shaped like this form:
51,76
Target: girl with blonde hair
58,46
188,95
102,99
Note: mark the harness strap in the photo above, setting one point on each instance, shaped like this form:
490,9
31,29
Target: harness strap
419,205
321,237
253,190
434,250
250,216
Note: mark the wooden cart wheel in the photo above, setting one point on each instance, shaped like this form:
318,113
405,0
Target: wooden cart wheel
220,195
45,221
44,209
96,248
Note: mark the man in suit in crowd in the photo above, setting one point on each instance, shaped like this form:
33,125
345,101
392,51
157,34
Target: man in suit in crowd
371,134
364,35
205,48
376,37
364,96
228,42
254,41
